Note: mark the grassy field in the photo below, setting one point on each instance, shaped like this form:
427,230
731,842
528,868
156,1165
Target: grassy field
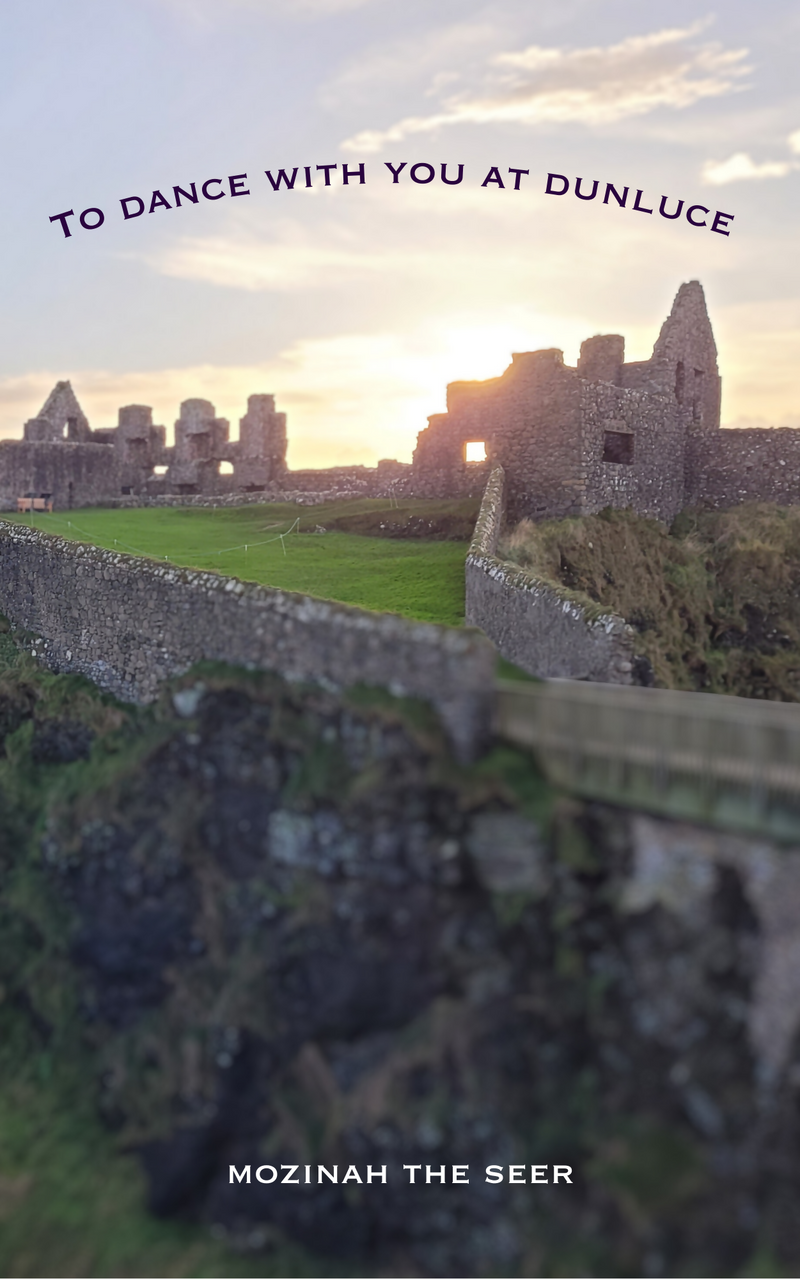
276,544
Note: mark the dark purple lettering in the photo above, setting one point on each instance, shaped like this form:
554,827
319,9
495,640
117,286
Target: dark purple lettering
129,200
348,173
549,190
718,225
691,210
62,218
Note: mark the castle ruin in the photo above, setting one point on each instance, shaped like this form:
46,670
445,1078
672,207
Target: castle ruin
644,435
61,455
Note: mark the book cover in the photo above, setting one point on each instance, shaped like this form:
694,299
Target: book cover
327,944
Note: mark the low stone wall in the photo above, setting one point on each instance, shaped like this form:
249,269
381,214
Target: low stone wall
300,497
533,624
128,623
305,488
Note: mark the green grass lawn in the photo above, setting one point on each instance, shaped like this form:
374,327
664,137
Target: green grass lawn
275,544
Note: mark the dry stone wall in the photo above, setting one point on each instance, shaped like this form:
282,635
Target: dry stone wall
128,623
533,624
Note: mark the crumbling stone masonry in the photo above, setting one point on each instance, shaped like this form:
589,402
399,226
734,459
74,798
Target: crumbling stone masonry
539,626
644,435
128,623
61,455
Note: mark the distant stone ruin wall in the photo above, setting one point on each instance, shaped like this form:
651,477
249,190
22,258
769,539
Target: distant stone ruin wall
76,472
128,623
466,479
731,466
306,488
533,624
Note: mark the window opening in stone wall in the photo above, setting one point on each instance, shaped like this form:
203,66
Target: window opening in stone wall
475,451
160,470
226,468
680,381
126,490
697,395
618,447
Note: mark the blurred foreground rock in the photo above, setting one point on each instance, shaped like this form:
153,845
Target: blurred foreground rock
303,935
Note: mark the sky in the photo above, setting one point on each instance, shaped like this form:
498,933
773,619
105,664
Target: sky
355,303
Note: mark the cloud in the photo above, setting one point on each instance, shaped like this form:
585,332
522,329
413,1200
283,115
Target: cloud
740,166
793,142
440,58
587,86
251,264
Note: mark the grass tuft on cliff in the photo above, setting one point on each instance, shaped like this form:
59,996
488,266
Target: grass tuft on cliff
713,601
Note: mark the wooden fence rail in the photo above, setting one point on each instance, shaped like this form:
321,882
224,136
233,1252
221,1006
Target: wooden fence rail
727,761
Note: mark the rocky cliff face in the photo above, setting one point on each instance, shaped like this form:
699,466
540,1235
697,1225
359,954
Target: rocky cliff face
289,930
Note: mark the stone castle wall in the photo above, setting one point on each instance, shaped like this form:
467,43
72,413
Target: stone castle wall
605,433
648,484
745,465
128,623
76,472
534,624
644,435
